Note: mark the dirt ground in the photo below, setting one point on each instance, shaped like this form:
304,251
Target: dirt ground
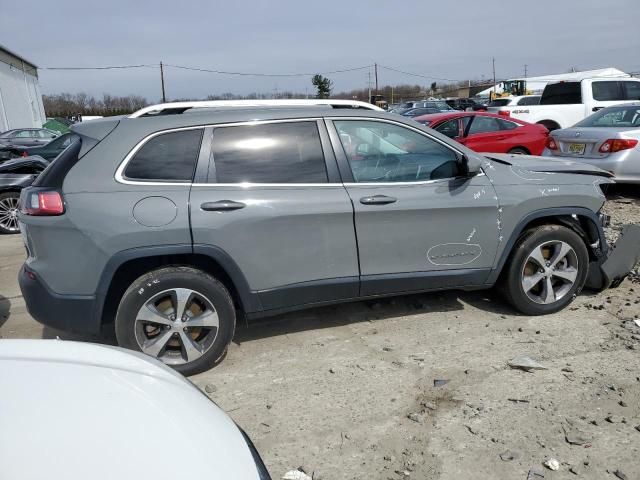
418,387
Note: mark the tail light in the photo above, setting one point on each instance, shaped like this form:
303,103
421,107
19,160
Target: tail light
42,203
616,144
504,113
25,154
551,144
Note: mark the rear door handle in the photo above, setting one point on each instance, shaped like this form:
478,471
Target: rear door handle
222,206
377,200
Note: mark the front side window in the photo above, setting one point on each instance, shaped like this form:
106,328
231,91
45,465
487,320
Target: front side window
288,152
632,90
25,134
167,157
385,152
482,124
607,91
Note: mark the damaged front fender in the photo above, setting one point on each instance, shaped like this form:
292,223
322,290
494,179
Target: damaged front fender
620,259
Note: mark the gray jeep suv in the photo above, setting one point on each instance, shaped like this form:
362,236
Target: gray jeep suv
169,223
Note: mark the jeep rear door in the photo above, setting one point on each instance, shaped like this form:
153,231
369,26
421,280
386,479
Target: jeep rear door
421,223
271,199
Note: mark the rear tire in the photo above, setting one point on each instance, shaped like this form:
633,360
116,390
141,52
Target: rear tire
546,270
518,151
182,316
9,213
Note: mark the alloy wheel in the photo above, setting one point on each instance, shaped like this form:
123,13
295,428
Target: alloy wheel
550,272
177,326
9,214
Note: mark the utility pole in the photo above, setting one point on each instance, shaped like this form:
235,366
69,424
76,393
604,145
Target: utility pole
164,98
525,70
375,66
493,62
369,85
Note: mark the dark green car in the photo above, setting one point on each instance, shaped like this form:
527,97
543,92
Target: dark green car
48,151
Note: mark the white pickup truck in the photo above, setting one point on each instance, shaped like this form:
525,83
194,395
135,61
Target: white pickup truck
563,104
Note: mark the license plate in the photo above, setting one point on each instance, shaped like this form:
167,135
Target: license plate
577,148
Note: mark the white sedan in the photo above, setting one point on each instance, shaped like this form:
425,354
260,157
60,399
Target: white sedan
78,411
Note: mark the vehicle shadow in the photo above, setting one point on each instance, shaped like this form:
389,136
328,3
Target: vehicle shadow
404,307
107,336
5,310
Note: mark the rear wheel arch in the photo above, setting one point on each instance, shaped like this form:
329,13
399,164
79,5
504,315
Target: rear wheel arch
549,124
126,268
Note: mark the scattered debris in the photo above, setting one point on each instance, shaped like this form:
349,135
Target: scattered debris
332,370
622,403
615,419
620,474
552,464
387,349
415,417
574,436
567,369
535,474
637,427
297,474
518,400
509,455
210,388
526,363
573,469
439,382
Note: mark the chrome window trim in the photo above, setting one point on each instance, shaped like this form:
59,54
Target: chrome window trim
119,175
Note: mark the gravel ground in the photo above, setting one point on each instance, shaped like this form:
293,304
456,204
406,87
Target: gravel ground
419,387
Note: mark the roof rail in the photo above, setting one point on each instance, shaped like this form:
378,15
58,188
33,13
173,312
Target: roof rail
180,107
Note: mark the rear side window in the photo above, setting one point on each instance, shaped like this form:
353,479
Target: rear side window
607,91
561,94
506,125
529,101
483,124
288,152
166,157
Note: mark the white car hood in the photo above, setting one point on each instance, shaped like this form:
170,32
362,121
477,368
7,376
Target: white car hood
73,410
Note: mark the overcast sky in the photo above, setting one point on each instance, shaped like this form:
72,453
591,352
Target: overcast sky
452,39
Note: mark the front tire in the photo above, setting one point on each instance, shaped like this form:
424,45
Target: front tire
546,270
182,316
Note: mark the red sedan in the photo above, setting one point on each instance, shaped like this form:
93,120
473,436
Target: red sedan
487,132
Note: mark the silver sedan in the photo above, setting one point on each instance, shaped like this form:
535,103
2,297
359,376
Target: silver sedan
609,139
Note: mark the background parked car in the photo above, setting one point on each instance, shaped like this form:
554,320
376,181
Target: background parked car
465,104
48,151
427,106
494,105
608,139
28,137
487,132
106,403
15,175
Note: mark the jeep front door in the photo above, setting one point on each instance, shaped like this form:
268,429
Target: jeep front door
421,222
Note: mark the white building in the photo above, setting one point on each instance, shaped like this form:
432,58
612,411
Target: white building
20,97
537,84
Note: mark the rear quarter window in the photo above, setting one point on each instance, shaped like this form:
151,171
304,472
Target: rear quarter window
167,157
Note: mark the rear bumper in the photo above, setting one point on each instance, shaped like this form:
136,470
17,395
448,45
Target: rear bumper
620,259
71,313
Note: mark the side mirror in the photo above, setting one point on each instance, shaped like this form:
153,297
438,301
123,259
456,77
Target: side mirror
471,164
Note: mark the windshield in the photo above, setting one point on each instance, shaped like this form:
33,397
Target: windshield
625,116
500,102
439,105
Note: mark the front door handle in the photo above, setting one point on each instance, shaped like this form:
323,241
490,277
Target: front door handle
222,206
377,200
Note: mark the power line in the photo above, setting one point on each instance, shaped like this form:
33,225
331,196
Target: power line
111,67
253,74
417,74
